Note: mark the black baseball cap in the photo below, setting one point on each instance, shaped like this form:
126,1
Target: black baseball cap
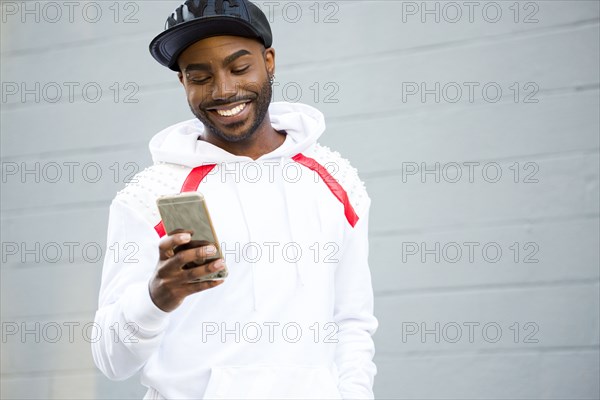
199,19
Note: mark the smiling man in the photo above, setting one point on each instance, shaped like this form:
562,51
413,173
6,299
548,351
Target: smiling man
294,318
228,85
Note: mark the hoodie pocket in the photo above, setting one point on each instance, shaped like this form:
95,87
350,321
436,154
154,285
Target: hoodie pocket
272,382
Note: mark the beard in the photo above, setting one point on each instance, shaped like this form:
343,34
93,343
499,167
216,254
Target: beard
261,100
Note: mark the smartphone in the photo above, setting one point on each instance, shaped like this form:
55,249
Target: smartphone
188,211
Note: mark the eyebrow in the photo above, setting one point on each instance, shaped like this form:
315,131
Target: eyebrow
226,61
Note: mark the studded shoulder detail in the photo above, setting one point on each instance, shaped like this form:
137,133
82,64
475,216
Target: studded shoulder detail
147,185
343,172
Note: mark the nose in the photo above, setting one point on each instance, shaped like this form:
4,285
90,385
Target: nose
224,88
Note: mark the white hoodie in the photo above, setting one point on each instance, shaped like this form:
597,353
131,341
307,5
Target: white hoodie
293,319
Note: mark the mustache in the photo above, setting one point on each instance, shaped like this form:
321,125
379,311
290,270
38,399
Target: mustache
216,103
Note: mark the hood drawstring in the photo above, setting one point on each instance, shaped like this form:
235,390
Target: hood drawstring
239,198
286,195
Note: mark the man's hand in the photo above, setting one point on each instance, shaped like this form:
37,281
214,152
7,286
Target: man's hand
176,272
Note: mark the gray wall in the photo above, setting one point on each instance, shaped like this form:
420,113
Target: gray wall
458,318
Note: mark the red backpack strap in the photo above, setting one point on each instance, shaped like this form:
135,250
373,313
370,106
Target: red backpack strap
191,184
333,185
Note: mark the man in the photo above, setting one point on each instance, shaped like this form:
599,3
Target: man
294,318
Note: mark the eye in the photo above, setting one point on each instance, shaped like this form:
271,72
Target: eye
198,79
240,70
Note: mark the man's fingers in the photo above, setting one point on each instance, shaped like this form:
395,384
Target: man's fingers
197,273
194,287
204,253
189,260
167,244
193,244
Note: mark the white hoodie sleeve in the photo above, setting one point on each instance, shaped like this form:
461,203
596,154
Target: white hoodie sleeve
353,314
129,327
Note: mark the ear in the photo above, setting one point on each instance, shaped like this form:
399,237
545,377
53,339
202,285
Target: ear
180,76
269,56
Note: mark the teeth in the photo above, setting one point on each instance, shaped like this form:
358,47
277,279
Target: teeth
234,111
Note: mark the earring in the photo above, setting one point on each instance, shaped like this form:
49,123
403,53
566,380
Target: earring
272,79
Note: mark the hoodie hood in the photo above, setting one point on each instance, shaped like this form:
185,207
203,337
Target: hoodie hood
179,143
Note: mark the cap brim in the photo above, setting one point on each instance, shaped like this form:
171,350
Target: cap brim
167,46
